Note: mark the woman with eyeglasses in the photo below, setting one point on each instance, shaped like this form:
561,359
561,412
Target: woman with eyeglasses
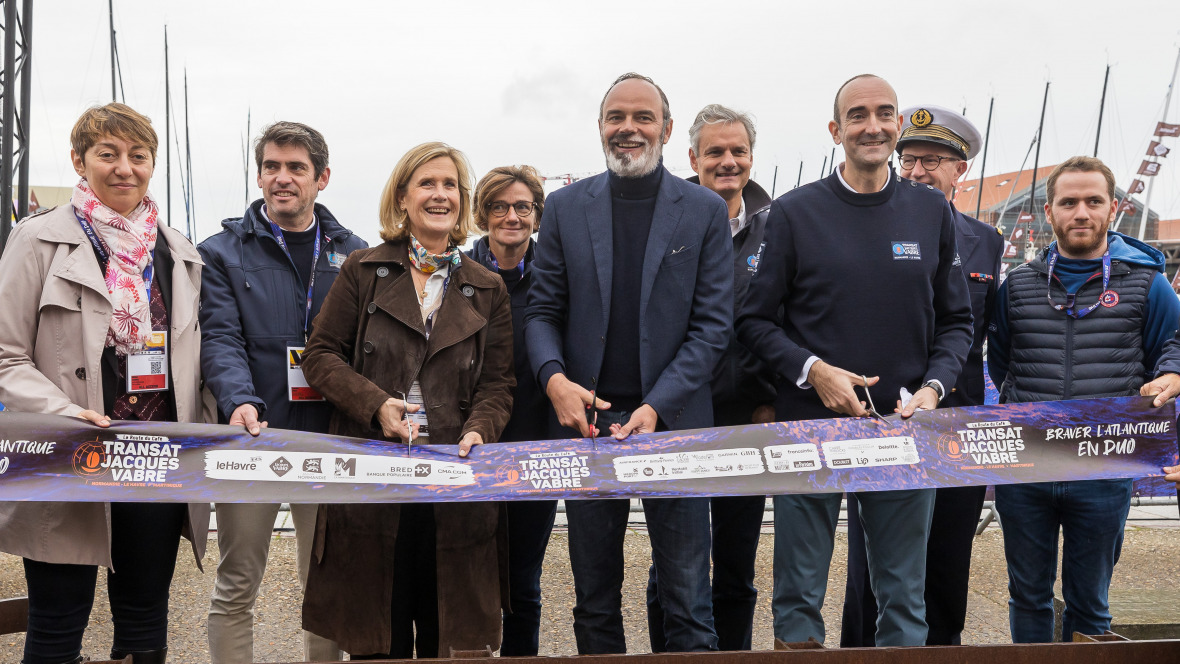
509,201
413,344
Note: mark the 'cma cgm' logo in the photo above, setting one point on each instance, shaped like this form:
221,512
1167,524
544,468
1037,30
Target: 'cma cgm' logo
90,459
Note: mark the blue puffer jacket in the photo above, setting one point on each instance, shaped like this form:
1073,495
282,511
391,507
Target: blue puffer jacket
252,308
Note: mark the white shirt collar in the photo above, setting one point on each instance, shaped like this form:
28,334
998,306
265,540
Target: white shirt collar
840,174
314,218
739,222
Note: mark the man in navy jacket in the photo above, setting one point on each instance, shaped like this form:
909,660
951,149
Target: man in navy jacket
630,308
721,151
864,267
265,277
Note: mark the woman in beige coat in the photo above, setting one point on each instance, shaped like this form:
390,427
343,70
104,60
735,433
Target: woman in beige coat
86,287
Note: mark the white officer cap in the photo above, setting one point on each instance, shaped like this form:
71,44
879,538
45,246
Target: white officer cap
935,124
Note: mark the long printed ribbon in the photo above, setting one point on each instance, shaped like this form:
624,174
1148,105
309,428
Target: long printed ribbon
64,459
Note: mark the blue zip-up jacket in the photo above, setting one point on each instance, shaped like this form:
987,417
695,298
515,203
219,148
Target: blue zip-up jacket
252,309
1159,321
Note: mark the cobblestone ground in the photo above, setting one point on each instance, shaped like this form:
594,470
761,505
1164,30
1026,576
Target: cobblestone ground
1151,560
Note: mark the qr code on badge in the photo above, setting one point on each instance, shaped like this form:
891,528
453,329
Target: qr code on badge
157,366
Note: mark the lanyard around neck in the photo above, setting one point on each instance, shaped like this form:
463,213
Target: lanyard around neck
100,250
1069,306
315,258
496,264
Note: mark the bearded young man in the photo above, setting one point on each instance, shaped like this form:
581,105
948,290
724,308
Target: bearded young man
1087,318
631,307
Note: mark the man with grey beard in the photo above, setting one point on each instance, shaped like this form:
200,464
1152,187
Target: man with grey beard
631,307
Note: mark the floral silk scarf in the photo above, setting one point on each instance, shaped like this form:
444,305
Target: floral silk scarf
128,242
428,262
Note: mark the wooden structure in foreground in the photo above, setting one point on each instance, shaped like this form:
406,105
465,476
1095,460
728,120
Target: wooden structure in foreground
1107,649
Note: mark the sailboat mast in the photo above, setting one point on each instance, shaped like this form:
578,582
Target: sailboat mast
1101,107
983,167
1032,192
167,132
189,211
111,16
1151,181
246,158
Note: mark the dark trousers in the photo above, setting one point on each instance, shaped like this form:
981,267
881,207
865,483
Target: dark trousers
948,570
530,523
736,525
415,587
678,529
144,538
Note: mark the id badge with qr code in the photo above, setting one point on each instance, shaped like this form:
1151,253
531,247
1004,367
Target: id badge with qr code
297,387
147,369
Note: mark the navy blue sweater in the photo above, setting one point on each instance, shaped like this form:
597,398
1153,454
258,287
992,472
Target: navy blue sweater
869,283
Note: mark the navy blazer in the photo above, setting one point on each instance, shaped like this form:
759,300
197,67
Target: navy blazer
685,300
980,249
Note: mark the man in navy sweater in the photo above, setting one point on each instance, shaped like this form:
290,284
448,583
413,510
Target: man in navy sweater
934,147
1088,317
630,308
863,265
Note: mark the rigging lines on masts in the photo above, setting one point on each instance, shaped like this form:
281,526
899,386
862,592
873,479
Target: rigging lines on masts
1151,180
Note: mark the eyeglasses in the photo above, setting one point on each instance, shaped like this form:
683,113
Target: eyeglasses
930,162
524,209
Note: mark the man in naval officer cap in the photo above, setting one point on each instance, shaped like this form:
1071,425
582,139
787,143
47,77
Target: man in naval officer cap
933,148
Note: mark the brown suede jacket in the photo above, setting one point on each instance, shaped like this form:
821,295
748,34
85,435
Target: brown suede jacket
369,344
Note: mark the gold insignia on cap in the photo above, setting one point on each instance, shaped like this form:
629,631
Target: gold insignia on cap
921,118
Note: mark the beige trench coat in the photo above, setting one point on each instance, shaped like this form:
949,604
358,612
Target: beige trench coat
56,313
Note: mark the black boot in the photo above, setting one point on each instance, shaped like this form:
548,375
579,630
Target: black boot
142,657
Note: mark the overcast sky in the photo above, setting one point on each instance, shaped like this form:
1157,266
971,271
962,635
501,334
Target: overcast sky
520,82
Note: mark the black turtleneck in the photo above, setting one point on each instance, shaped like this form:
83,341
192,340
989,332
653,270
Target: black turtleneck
301,245
633,203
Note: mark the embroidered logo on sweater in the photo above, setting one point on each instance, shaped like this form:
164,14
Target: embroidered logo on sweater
753,259
907,251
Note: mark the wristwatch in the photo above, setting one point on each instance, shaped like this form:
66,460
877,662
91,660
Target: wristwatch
937,387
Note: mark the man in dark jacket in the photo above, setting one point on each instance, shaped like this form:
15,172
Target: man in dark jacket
265,277
721,152
1088,317
630,308
933,149
859,287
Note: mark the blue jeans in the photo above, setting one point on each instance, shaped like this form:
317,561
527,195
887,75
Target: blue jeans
1090,515
530,523
679,532
896,524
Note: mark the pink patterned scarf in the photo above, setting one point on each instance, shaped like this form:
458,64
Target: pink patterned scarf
129,242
